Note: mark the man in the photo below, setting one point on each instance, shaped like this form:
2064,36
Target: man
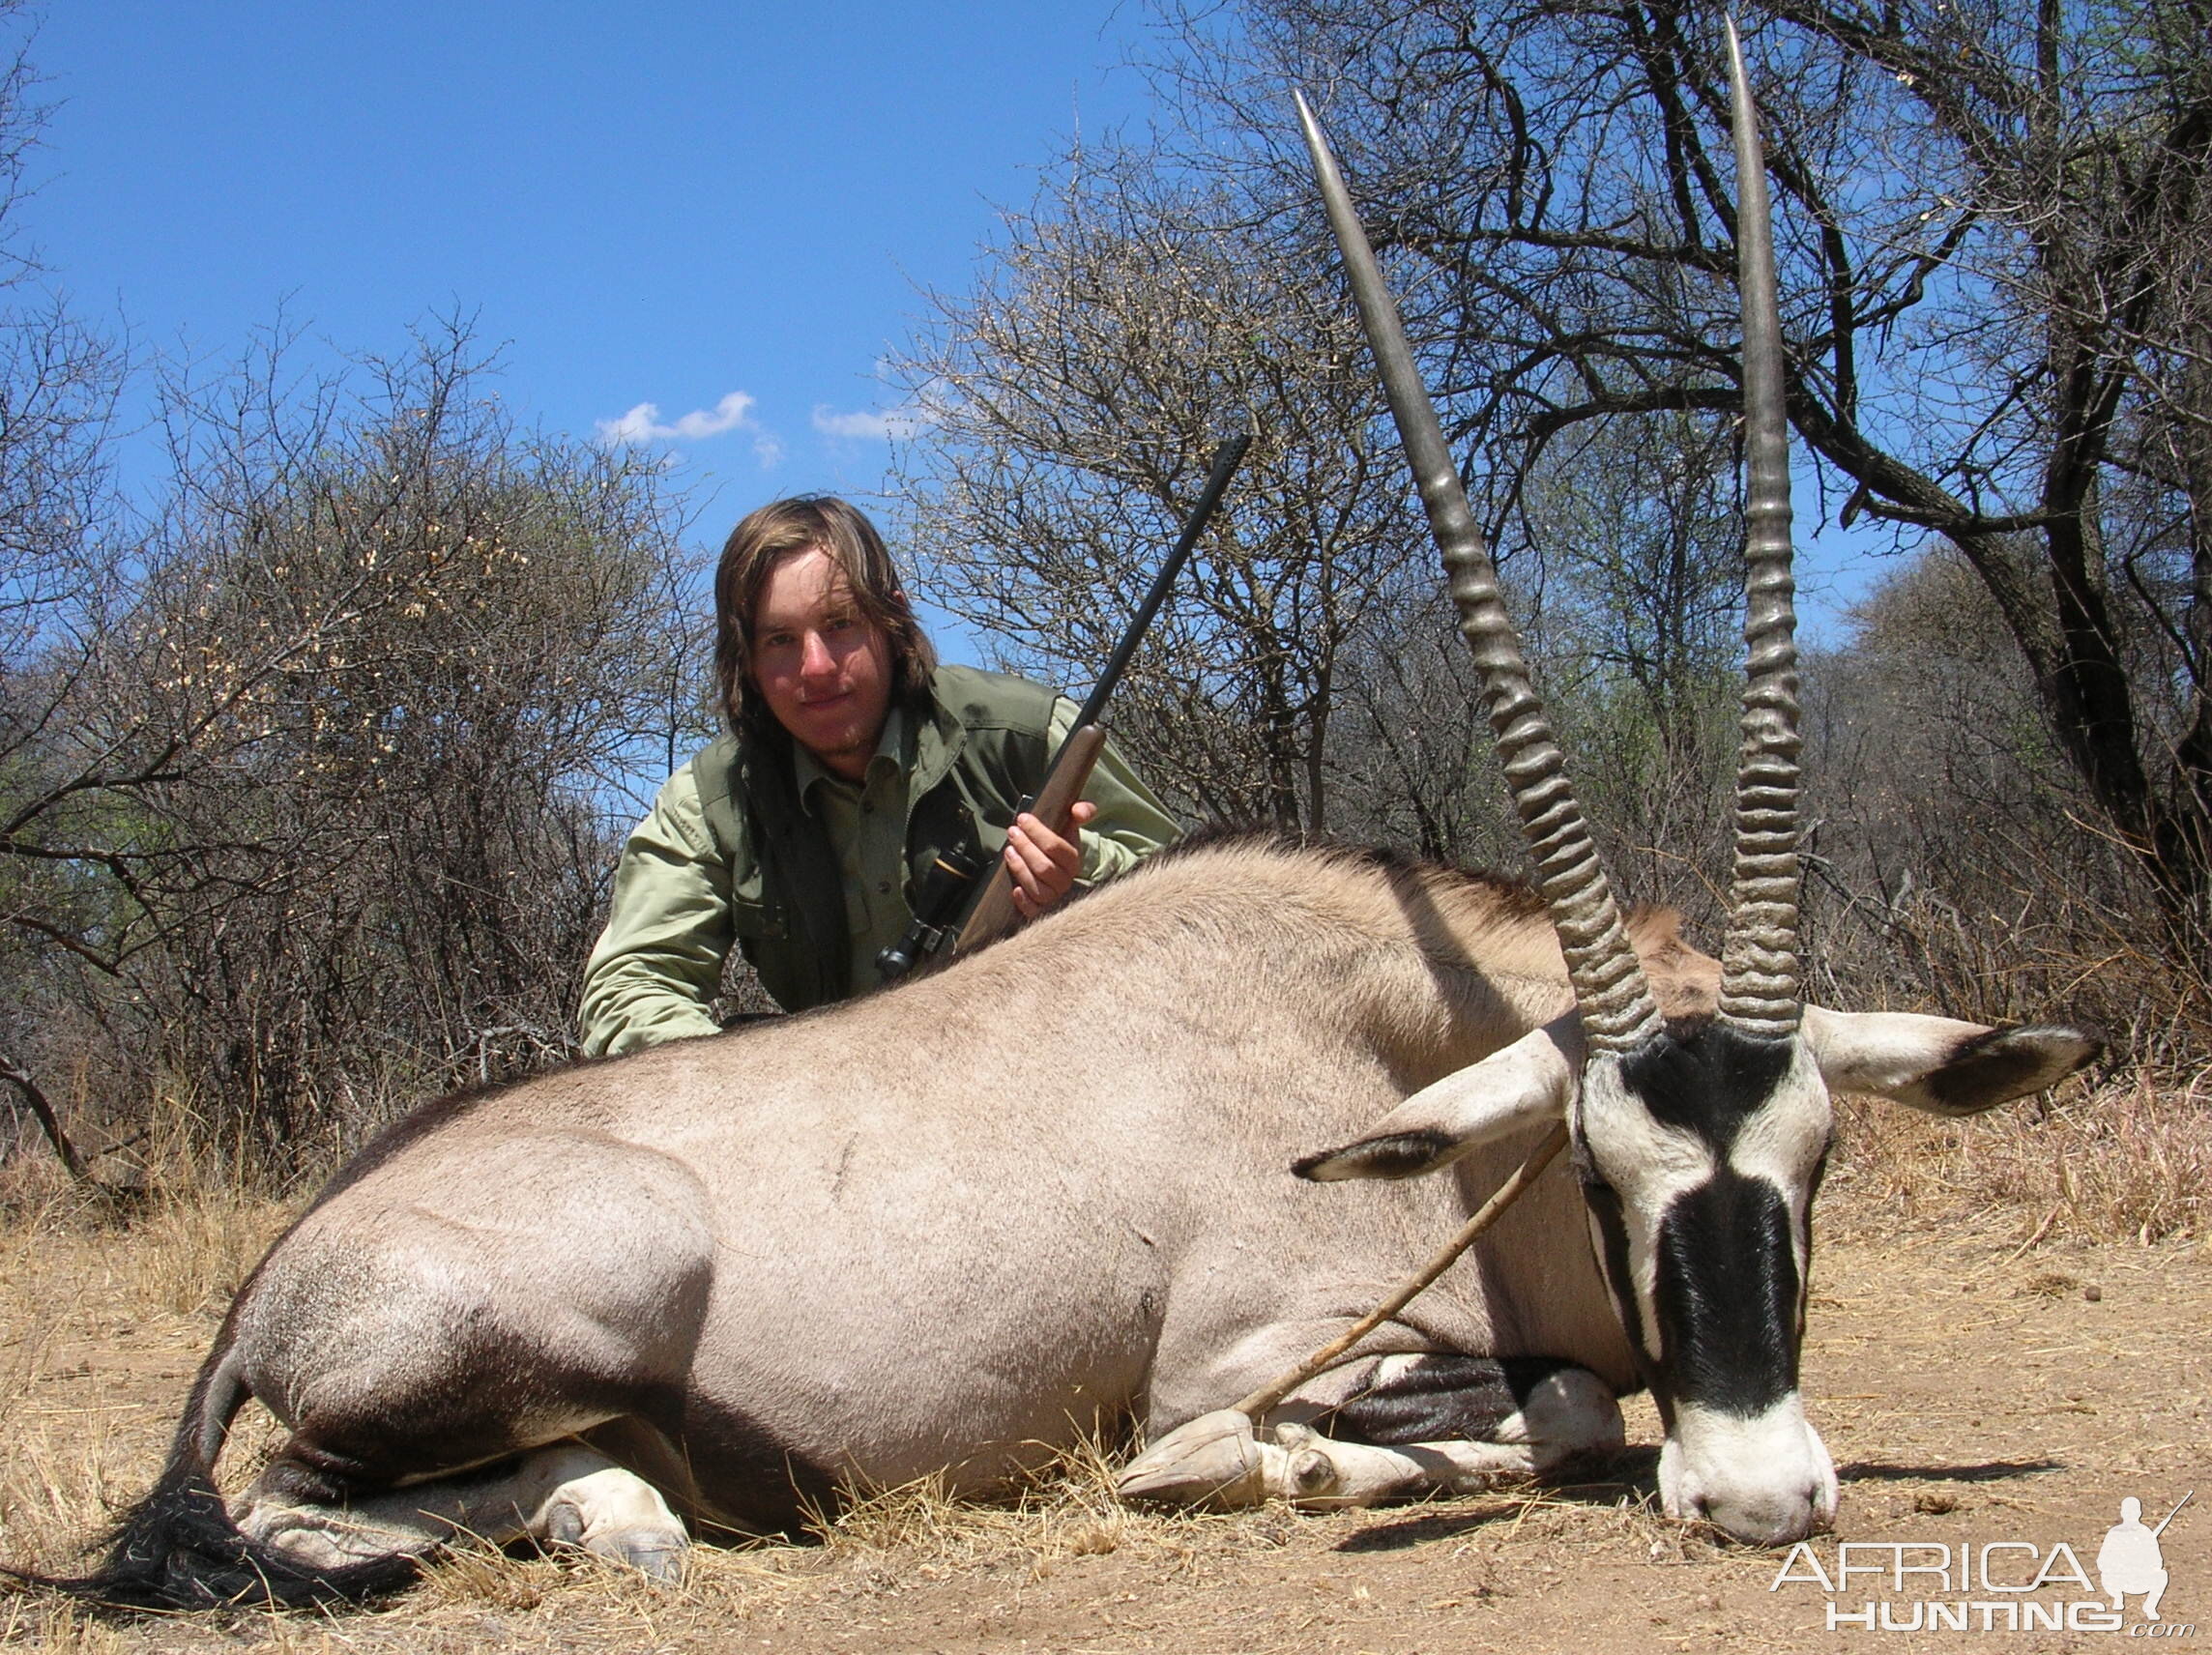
852,761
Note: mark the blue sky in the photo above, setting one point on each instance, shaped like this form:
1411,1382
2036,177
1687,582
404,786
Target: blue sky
705,223
706,219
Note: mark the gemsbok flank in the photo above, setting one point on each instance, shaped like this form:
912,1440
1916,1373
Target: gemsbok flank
954,1226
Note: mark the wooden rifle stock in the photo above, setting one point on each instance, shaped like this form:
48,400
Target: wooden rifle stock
995,914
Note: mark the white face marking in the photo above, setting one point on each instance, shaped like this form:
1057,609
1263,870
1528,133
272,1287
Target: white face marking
1651,1166
1784,1141
1767,1477
1648,1164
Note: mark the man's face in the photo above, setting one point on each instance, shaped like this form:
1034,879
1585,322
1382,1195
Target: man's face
823,668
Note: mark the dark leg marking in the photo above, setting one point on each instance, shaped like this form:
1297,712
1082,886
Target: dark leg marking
1438,1398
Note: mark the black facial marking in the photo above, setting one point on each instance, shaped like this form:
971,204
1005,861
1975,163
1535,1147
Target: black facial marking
1728,1299
1443,1398
1706,1079
1401,1155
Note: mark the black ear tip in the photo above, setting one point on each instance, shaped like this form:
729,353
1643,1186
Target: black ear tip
1312,1168
2006,1064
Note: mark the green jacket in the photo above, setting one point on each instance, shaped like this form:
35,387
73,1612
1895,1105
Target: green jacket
734,854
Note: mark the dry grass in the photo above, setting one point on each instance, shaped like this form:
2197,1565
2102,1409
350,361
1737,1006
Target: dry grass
41,1623
1066,1509
2124,1160
97,1298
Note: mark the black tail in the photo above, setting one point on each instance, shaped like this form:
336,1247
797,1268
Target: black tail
178,1547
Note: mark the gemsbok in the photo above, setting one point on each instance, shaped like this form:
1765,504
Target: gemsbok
954,1226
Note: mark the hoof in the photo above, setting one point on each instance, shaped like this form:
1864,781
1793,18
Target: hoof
656,1556
1210,1461
322,1542
653,1556
1312,1474
653,1550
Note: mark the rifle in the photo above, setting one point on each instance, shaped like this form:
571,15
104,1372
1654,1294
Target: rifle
989,912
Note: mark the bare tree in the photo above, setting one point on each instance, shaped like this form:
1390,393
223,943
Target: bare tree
1122,325
324,778
1635,527
1309,675
309,782
58,381
1414,758
1996,230
1948,860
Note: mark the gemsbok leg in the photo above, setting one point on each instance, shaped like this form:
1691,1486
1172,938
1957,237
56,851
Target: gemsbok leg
1387,1428
566,1494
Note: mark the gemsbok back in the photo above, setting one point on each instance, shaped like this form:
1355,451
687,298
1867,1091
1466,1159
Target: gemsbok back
954,1227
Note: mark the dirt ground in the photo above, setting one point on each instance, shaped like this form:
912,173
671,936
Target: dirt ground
1973,1388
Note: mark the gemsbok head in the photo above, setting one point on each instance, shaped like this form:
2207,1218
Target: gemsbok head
1699,1144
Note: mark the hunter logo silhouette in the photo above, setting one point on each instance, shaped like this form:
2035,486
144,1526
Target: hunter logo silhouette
2130,1559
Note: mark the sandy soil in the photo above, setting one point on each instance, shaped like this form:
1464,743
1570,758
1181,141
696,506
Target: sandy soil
1971,1389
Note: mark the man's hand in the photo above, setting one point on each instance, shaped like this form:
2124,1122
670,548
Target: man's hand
1043,864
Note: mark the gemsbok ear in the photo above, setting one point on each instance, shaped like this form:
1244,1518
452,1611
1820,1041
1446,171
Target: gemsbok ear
1938,1064
1528,1084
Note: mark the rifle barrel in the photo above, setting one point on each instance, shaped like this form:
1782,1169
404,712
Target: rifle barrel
989,909
1225,459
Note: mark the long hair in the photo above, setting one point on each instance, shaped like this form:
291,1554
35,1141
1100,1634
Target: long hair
750,555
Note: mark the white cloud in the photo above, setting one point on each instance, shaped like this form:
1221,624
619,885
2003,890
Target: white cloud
643,424
891,425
